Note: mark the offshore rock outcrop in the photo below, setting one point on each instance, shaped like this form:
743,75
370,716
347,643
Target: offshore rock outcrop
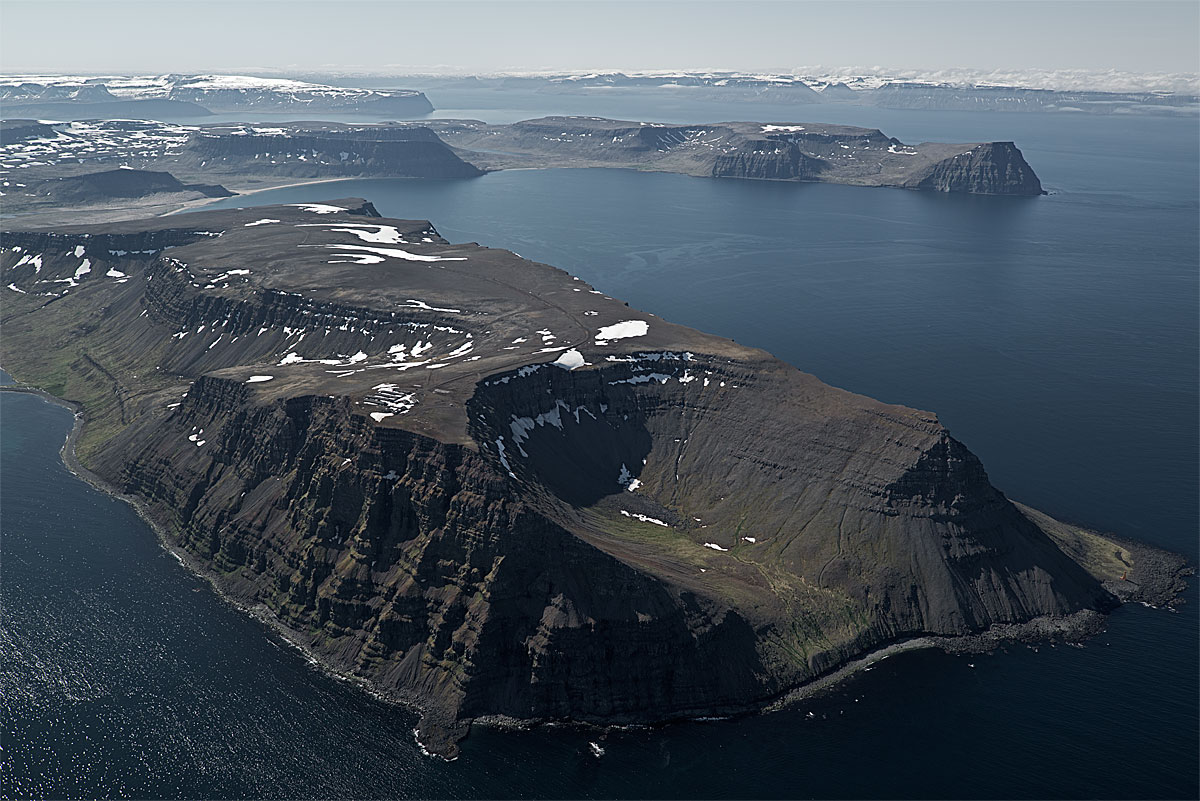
486,488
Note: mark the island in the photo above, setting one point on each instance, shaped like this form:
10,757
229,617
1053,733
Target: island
491,492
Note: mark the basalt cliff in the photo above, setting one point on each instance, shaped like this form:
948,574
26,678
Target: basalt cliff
486,488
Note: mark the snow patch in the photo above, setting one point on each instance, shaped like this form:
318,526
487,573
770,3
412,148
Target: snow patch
395,253
622,330
646,519
570,360
317,208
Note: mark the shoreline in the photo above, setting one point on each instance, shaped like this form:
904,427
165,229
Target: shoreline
200,203
1073,628
270,622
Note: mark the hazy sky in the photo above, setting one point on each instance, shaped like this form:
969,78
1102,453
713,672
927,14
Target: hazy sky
203,35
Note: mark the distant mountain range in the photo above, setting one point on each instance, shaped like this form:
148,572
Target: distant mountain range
1068,91
192,96
176,96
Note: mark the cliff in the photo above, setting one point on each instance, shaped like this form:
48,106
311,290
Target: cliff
486,488
324,151
98,187
997,168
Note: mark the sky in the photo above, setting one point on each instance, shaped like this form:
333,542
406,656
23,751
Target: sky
457,36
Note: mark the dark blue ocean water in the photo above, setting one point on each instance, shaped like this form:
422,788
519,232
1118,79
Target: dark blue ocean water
1056,336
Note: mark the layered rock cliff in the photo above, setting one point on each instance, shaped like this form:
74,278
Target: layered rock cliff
407,152
996,168
488,489
98,187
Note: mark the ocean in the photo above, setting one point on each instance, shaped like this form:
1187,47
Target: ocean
1056,336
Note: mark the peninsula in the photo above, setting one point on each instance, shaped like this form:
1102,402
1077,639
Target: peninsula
490,491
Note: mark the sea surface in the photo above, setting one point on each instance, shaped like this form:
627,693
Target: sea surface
1056,336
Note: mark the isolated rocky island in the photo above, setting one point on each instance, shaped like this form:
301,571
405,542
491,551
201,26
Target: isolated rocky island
490,491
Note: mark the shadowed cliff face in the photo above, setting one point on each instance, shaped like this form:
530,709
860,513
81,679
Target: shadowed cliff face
770,160
419,566
865,504
487,488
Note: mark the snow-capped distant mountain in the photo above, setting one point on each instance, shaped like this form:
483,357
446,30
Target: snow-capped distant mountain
857,78
217,93
1054,91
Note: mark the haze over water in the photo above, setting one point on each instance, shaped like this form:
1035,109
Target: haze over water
1055,336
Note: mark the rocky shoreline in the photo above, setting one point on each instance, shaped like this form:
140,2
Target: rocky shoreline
1160,577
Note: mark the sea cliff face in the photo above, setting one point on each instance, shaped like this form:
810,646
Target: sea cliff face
490,489
407,152
997,168
768,160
